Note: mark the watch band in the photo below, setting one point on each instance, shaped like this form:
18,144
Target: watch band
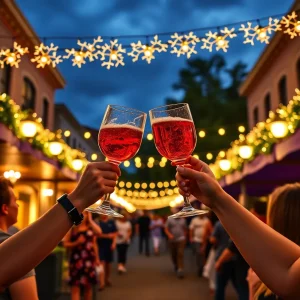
72,211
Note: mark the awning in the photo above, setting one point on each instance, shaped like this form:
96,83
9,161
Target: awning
19,155
266,172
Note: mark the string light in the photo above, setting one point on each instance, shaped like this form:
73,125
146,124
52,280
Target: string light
126,163
46,55
128,185
12,58
202,133
292,25
242,129
149,136
87,135
94,156
209,156
67,133
196,156
184,44
221,131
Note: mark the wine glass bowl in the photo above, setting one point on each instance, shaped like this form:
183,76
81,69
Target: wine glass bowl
119,139
175,138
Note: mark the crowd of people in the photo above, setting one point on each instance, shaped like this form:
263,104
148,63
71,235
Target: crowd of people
230,244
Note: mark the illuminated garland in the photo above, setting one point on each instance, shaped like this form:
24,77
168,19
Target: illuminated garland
12,116
260,139
111,54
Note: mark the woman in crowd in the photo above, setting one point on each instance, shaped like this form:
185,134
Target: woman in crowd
156,226
274,258
284,216
124,229
81,243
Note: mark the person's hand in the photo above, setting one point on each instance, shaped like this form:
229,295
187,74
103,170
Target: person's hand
80,240
196,178
253,279
98,179
113,246
171,237
218,266
98,262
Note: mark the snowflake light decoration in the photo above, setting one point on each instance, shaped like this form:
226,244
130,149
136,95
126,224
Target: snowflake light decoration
146,50
261,34
114,53
46,55
12,57
87,50
292,24
220,41
184,44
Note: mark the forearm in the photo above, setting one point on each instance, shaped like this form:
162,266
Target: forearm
225,256
70,244
97,230
275,264
36,242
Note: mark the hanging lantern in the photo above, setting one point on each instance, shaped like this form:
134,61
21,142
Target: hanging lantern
29,126
245,150
56,146
77,163
279,127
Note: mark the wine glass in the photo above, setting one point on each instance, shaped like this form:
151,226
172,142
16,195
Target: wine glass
175,138
120,137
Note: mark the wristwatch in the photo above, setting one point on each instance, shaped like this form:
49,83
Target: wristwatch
72,211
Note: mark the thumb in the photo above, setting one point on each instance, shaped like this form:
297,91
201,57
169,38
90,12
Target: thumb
192,174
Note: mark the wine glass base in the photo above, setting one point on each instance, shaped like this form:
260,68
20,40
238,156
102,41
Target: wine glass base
104,211
188,212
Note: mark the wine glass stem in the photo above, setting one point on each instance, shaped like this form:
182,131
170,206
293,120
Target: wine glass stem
186,202
106,202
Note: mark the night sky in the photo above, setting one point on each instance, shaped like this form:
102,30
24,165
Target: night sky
91,88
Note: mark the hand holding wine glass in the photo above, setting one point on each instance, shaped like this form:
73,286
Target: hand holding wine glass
119,139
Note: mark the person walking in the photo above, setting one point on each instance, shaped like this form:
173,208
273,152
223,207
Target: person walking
143,229
156,225
176,231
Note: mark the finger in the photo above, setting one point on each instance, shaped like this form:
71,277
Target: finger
107,175
192,174
199,165
111,183
104,166
109,190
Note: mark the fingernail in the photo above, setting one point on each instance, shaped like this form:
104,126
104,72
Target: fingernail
180,169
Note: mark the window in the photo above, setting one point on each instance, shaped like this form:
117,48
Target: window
267,105
45,112
255,115
282,91
4,79
298,72
74,143
28,94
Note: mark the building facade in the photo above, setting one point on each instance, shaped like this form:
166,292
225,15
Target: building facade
274,78
76,135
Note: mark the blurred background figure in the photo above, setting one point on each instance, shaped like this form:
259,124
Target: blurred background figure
124,229
284,216
143,230
107,245
220,239
81,242
176,231
196,234
156,226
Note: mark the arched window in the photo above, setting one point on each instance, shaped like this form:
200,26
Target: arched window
5,79
282,89
45,116
255,115
267,103
28,94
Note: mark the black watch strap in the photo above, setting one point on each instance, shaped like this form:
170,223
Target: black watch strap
72,211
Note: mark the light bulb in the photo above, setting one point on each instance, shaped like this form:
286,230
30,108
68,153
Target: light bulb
55,148
44,59
113,55
77,164
224,164
87,135
148,51
67,133
297,27
79,56
220,41
279,128
221,131
149,136
94,156
245,151
28,128
202,133
185,46
11,58
209,156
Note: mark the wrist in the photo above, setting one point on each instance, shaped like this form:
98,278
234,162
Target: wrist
76,202
222,202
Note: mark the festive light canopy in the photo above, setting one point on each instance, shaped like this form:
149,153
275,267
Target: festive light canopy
112,53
